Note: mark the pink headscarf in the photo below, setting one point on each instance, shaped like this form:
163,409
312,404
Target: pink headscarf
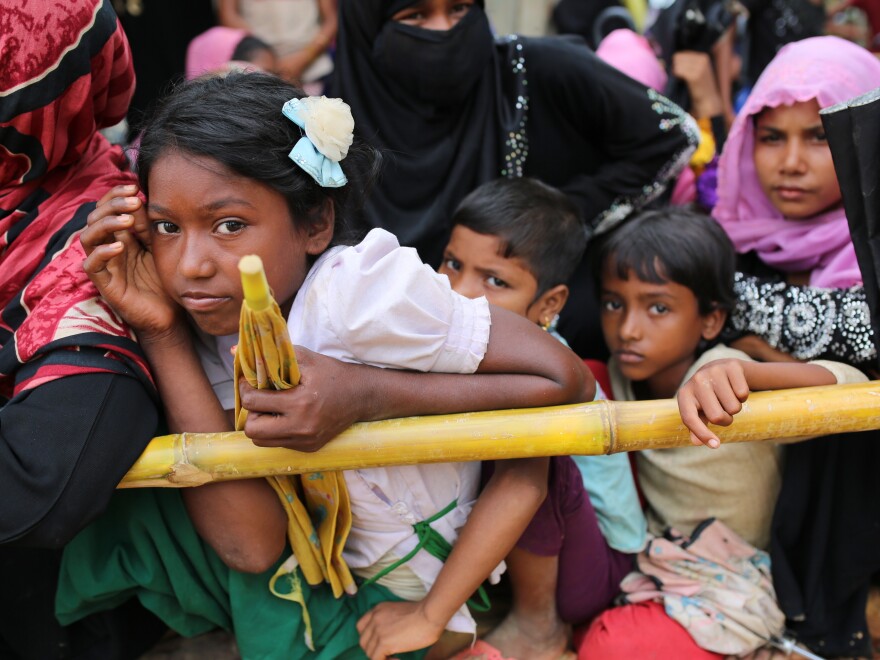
212,50
631,53
830,70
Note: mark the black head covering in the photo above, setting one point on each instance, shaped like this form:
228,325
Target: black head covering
432,100
853,134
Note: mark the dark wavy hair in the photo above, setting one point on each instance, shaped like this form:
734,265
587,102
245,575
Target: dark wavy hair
236,120
533,221
675,245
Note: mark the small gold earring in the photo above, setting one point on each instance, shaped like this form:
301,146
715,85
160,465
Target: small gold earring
545,324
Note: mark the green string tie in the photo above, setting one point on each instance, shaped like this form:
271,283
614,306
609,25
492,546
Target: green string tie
432,542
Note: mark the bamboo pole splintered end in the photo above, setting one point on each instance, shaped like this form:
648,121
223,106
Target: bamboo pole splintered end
254,283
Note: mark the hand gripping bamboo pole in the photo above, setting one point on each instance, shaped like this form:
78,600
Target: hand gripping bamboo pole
601,427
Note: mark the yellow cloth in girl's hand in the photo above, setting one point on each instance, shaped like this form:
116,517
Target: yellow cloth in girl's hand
317,504
318,522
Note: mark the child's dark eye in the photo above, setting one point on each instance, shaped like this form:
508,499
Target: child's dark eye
165,227
659,308
496,282
230,227
452,264
611,305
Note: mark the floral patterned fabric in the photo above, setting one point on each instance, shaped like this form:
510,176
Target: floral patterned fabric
714,584
66,73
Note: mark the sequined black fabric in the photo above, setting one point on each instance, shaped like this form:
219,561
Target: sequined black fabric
807,322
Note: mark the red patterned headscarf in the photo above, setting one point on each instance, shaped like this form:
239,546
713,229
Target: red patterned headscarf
65,71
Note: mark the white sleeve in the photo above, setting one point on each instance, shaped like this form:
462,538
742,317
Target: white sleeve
214,354
388,309
843,373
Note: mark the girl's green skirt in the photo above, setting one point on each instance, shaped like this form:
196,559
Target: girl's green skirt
144,545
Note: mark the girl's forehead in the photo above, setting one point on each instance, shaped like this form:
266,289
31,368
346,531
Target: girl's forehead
175,160
179,178
637,288
647,268
183,171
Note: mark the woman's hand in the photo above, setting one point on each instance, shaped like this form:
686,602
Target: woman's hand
714,394
396,628
308,416
121,266
696,70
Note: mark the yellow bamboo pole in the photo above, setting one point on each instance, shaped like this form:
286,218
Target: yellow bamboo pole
602,427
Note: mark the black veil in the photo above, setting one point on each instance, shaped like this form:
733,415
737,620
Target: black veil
434,155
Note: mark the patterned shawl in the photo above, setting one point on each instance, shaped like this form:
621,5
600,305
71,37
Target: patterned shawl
66,71
829,70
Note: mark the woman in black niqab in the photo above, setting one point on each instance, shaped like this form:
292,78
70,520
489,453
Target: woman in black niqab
429,99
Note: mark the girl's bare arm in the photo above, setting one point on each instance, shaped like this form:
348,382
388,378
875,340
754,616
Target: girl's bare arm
241,520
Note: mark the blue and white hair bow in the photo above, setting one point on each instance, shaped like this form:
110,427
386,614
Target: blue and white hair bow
328,132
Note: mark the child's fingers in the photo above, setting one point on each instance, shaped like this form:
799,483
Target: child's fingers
720,402
711,406
124,199
126,236
689,409
102,230
127,190
714,395
116,212
712,443
261,401
363,622
96,264
99,213
273,431
286,419
739,385
141,227
115,206
369,640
